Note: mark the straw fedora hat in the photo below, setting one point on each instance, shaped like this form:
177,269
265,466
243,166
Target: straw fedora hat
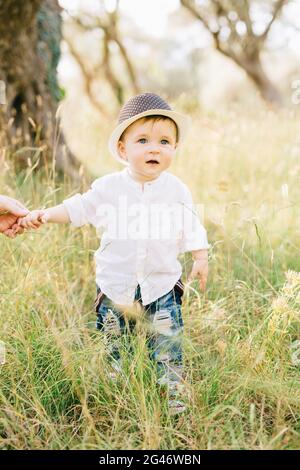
139,106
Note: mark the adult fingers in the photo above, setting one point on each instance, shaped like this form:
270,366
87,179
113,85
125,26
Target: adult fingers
6,221
9,233
17,229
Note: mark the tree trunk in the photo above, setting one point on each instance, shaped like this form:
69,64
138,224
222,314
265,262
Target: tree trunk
255,71
30,34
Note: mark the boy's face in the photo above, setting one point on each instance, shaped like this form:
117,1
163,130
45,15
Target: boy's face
149,147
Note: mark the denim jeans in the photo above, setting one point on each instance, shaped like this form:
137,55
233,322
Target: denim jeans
164,318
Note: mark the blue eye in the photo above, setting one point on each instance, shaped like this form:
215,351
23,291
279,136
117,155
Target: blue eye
165,140
142,141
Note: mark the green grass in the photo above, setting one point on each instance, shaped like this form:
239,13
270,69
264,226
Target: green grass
55,388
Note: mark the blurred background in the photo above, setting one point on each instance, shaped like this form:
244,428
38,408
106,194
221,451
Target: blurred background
81,60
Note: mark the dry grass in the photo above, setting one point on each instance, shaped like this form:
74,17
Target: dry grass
240,350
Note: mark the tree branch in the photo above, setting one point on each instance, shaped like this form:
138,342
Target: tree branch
88,78
244,50
129,66
277,9
112,80
191,7
215,34
245,16
111,34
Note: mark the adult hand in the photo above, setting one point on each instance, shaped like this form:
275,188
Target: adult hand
13,210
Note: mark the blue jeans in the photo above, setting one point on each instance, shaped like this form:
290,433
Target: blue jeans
163,318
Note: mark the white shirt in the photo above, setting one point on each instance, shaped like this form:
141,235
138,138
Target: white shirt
144,228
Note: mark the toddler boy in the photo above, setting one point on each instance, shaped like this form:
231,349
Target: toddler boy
147,219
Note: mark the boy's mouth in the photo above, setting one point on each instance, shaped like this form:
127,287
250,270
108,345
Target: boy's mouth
153,162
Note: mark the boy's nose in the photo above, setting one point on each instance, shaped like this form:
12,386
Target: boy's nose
153,148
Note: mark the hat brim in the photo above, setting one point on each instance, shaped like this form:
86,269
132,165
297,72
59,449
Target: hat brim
182,121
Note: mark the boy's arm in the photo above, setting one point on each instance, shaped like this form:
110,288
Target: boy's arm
200,255
194,236
78,210
195,241
57,214
36,218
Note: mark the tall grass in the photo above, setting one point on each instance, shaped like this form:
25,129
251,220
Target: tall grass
240,337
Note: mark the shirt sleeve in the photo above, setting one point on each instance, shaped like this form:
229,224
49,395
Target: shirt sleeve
194,236
82,208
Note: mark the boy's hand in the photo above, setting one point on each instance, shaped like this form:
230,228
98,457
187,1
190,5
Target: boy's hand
33,220
200,268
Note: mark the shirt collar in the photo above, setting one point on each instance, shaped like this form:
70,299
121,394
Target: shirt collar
158,181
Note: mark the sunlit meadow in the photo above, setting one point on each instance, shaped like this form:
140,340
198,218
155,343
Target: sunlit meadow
241,341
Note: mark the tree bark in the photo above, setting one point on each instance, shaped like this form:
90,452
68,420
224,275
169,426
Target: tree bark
255,71
30,34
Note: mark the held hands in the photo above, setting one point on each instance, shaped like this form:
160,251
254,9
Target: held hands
12,209
200,268
36,218
16,218
33,220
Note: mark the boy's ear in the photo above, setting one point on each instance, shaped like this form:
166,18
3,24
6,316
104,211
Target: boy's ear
121,150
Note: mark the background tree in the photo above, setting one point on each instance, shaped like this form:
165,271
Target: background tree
30,34
106,21
231,25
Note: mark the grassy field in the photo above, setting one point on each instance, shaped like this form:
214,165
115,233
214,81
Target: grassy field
240,346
